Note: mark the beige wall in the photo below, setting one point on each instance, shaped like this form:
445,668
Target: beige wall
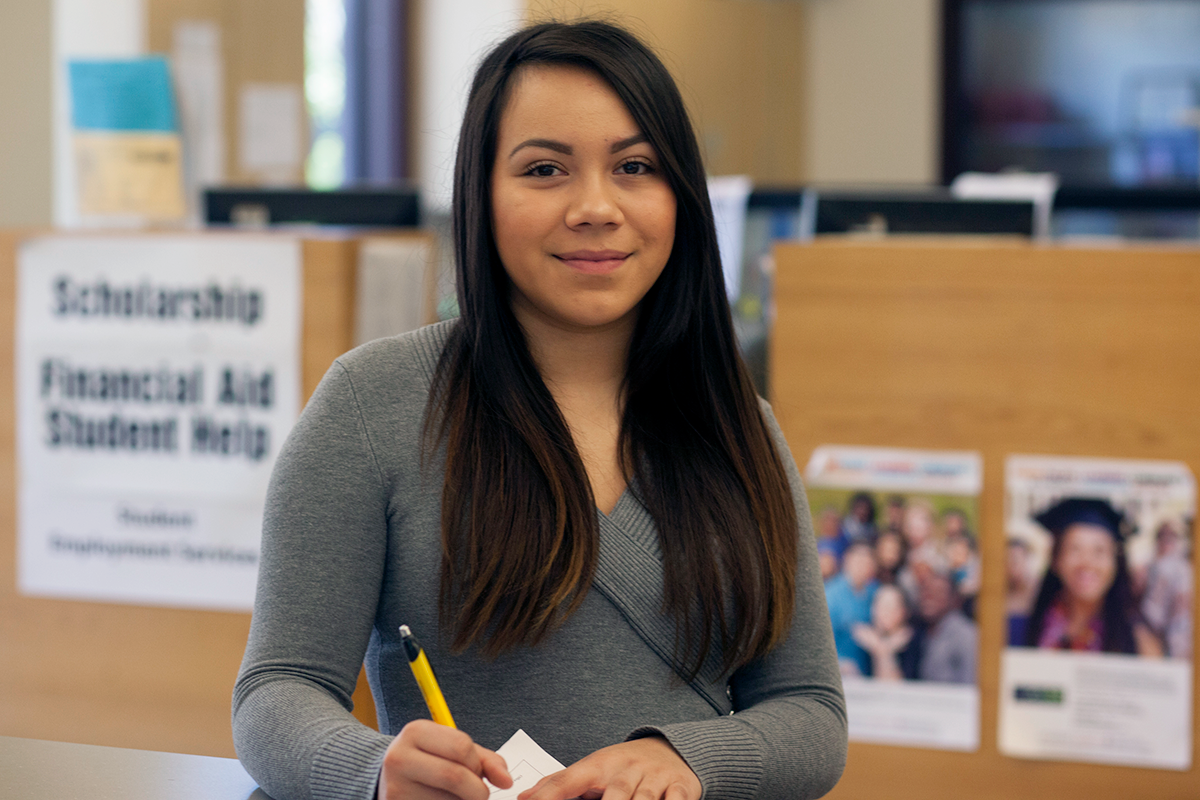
873,72
827,91
262,42
25,138
740,67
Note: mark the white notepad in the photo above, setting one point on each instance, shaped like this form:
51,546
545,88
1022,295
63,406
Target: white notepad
527,763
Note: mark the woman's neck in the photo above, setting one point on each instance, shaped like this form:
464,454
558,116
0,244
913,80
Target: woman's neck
592,367
585,373
579,362
1080,613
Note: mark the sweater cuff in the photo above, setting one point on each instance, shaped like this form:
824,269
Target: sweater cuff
347,766
725,756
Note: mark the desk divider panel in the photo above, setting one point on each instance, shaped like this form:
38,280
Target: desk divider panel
135,676
1001,347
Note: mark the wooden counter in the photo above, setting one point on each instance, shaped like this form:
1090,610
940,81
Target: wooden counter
1001,347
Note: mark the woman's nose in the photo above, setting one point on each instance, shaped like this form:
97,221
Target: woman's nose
594,202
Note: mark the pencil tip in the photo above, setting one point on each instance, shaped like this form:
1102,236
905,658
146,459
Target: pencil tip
404,631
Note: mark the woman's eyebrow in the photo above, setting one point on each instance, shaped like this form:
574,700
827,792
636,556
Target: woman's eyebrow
566,149
549,144
637,138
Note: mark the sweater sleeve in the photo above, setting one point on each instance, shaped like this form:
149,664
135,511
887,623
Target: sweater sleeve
323,548
786,739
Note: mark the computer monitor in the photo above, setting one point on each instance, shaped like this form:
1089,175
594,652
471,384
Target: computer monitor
1104,93
933,211
375,207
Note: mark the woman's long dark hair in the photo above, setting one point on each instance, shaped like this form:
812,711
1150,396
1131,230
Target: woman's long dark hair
519,523
1117,611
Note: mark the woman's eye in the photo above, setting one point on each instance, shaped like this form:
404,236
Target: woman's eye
542,171
635,168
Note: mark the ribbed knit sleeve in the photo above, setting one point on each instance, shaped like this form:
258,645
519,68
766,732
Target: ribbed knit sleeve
324,542
786,739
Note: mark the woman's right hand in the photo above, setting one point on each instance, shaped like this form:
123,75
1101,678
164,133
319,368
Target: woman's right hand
428,760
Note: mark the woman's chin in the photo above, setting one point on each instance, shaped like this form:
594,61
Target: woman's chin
1088,594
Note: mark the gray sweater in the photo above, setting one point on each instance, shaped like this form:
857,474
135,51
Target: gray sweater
351,550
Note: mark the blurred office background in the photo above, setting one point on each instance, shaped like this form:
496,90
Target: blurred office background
870,95
845,115
792,93
785,91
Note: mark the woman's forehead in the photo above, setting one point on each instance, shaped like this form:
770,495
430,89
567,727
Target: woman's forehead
555,101
1086,532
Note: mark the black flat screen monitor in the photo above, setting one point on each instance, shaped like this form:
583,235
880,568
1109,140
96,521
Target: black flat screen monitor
379,207
1106,93
925,211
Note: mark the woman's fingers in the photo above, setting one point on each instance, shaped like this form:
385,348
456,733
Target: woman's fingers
642,769
447,776
427,761
494,768
577,780
443,742
676,791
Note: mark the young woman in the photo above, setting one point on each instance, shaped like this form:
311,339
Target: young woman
1086,601
571,493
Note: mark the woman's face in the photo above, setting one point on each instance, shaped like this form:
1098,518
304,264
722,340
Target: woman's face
918,525
887,609
858,564
1017,563
1086,562
582,214
828,523
887,550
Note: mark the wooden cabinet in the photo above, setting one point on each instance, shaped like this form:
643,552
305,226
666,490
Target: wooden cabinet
1001,347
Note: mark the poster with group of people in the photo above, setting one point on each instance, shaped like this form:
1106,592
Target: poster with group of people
898,552
1098,603
1099,594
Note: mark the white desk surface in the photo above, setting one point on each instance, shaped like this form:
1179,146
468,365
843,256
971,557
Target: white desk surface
32,769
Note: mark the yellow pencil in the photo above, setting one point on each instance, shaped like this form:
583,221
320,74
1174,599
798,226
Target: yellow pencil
425,680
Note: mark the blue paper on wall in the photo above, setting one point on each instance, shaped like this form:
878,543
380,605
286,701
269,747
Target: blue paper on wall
126,95
128,154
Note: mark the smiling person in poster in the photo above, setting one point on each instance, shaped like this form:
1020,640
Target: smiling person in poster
848,595
1167,601
949,647
572,493
887,635
1086,601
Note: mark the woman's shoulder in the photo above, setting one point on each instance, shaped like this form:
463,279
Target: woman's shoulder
765,409
414,354
387,375
772,425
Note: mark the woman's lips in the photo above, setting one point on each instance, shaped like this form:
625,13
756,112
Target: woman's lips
593,262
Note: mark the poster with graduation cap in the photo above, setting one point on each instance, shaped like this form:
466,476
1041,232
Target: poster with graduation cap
128,155
1099,588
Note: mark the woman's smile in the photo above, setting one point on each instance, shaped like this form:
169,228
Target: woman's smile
1086,562
593,262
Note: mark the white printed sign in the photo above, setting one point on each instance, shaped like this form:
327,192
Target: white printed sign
1098,707
942,716
156,380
